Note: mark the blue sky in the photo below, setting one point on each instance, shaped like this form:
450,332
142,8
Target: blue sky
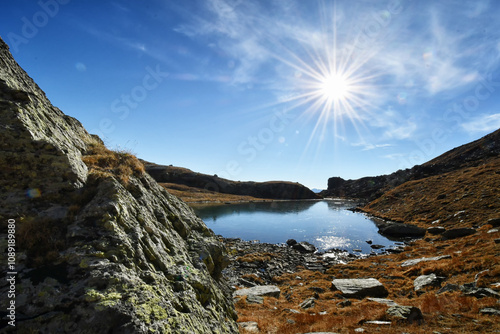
268,90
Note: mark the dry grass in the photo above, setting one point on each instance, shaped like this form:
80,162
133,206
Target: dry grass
256,257
471,257
41,239
103,162
194,195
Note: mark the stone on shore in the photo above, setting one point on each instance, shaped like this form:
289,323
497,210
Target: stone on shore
402,230
360,287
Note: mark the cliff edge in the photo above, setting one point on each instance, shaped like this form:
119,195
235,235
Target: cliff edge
99,246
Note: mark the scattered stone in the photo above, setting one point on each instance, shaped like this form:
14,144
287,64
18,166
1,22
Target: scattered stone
249,326
449,288
369,242
413,262
316,289
304,247
426,280
291,242
493,230
291,310
344,303
260,290
436,230
359,330
495,222
360,287
489,310
321,333
402,230
479,292
406,313
308,303
357,250
387,302
457,233
497,241
378,322
377,246
253,299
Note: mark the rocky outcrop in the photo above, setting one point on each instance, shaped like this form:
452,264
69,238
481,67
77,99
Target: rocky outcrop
472,154
100,246
267,190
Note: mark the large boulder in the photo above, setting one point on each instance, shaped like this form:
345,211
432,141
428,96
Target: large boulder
402,230
100,246
458,233
360,287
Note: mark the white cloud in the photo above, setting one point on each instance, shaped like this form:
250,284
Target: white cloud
485,123
370,146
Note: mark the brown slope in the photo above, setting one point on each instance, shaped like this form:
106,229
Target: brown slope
265,190
472,154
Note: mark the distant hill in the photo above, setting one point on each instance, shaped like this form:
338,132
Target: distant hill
473,154
171,176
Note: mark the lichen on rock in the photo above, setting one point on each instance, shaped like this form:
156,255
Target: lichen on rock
102,248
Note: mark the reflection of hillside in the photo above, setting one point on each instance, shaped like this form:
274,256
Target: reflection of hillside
341,204
211,211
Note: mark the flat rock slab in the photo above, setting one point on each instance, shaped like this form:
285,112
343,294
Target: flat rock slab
360,287
413,262
259,290
387,302
457,233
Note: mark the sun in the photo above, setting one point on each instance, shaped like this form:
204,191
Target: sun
335,87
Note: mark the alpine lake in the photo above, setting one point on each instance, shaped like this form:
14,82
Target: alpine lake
327,224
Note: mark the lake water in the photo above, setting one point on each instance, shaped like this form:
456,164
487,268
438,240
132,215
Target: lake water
326,224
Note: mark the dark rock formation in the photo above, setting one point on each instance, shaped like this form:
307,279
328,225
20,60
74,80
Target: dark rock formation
268,190
401,230
457,233
469,155
100,246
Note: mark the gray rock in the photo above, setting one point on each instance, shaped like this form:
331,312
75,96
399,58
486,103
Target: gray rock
449,288
413,262
378,322
402,230
457,233
249,327
479,292
406,313
360,288
253,299
377,246
387,302
304,247
489,310
436,230
259,290
426,280
291,242
308,303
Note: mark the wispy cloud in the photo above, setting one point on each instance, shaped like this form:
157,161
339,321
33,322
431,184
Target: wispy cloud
370,146
484,123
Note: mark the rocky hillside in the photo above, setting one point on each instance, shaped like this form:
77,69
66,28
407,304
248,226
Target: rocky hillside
215,184
473,154
100,247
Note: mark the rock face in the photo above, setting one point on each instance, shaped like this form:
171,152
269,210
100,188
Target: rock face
269,190
360,288
100,246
